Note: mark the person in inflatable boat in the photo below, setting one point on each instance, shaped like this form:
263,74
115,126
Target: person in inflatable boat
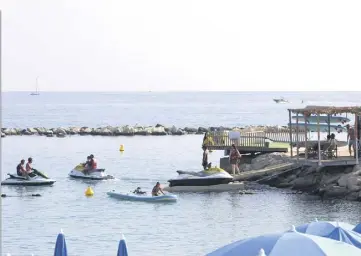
156,189
138,191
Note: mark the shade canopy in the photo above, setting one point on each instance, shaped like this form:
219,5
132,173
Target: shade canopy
286,244
327,110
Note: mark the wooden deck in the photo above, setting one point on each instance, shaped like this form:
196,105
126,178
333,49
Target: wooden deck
255,142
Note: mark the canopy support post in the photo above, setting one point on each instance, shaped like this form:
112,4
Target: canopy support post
329,124
318,140
297,139
291,142
356,139
306,153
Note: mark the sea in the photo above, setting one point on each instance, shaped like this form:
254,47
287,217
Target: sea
198,223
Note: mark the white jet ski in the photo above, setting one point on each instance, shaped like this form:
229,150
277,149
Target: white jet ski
36,178
96,174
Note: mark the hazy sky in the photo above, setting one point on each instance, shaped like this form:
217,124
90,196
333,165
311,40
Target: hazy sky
105,45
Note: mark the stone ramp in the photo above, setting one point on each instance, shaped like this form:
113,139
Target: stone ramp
257,174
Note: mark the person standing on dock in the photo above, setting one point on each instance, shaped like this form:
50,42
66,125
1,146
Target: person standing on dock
205,158
234,157
351,138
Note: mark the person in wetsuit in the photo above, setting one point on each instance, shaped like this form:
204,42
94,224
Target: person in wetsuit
156,189
20,170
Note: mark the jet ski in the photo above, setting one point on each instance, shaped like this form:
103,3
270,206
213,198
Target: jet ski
209,177
36,178
95,174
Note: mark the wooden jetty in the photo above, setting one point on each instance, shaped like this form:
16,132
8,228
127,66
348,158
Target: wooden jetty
249,142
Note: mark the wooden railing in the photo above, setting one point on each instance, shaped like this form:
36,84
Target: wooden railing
254,140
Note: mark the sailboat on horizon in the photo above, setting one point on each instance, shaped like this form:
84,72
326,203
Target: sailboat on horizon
36,88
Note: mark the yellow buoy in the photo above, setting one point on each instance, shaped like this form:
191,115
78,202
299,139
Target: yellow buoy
121,148
89,191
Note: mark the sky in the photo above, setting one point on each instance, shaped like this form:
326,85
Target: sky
188,45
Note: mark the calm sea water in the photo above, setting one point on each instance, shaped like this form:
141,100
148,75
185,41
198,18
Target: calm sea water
195,225
149,108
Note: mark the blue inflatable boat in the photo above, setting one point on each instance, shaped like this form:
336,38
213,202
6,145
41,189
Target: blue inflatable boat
143,198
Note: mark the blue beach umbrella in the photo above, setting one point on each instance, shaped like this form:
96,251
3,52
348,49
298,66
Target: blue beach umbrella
346,236
122,247
339,231
286,244
358,228
60,245
322,228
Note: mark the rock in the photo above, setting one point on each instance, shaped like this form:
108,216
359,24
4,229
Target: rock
190,130
283,185
73,130
202,130
335,192
104,131
25,132
10,131
49,133
3,135
304,182
354,183
85,131
158,131
353,196
32,130
159,125
60,131
40,130
329,179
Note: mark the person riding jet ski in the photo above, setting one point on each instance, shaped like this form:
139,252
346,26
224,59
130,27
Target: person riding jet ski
20,170
93,162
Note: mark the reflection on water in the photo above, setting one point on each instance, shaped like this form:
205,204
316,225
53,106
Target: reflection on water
198,223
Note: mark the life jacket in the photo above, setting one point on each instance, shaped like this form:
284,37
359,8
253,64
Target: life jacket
94,164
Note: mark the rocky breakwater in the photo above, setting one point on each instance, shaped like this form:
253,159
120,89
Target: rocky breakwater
127,130
327,182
